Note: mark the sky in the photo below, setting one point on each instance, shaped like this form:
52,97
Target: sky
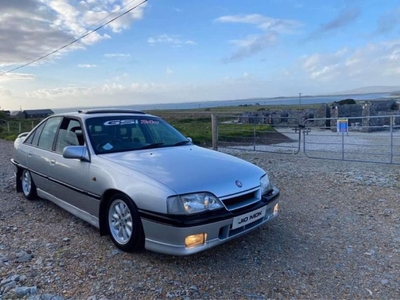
80,53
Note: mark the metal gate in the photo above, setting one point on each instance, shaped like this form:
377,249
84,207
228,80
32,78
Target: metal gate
363,139
258,133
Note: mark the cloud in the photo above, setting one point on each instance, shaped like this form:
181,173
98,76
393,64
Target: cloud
120,55
272,28
31,28
375,63
88,66
5,93
250,45
263,22
343,19
388,22
250,19
169,71
5,77
174,40
105,90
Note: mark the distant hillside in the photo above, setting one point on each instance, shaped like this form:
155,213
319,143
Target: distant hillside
372,89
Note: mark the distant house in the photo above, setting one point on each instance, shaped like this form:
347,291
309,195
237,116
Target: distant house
6,112
36,113
17,114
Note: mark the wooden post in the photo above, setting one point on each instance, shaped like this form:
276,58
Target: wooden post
214,131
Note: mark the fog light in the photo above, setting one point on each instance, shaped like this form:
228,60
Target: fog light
195,240
276,208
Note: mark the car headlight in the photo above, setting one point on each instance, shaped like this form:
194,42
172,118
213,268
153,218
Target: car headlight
193,203
265,184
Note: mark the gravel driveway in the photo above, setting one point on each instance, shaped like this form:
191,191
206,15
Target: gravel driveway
337,237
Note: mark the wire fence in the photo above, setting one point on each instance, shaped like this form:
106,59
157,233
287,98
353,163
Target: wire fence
259,134
363,139
366,139
17,126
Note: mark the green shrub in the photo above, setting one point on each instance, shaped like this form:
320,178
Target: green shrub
347,101
394,106
10,137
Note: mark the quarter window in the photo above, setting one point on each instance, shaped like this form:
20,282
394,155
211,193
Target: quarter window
30,138
34,136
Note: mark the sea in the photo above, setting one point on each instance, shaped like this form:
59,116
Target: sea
245,102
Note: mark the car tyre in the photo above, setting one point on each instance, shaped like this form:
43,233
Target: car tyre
124,224
28,186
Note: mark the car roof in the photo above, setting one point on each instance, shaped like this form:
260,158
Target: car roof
87,114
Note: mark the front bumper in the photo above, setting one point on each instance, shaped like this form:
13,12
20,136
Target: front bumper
169,237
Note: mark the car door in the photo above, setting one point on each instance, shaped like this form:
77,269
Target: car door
40,151
71,177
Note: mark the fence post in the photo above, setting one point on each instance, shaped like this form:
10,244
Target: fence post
8,127
254,136
392,122
32,125
214,131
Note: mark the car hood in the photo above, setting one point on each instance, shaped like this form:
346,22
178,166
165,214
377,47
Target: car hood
187,169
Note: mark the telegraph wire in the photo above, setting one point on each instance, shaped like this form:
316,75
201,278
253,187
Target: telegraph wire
91,26
75,40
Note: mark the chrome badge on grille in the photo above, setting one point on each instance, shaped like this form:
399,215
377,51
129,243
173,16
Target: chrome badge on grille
238,183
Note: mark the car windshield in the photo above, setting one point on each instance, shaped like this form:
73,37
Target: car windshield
127,133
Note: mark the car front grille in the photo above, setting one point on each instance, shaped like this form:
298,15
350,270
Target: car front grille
238,201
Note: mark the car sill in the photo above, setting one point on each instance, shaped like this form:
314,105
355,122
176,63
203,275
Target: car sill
70,208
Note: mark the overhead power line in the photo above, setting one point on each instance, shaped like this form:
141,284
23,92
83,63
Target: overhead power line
75,40
81,32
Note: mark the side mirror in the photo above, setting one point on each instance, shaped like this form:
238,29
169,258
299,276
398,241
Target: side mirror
76,152
189,139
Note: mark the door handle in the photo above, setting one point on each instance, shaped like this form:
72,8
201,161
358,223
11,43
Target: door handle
52,162
30,154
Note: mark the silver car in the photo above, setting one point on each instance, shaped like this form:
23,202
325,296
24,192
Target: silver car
136,178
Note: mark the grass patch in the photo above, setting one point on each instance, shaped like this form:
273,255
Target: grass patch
199,129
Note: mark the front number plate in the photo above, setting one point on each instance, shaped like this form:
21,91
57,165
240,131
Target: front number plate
249,217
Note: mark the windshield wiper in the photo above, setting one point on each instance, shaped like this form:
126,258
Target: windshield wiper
181,143
154,145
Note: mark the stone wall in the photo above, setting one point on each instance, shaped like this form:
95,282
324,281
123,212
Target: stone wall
294,117
346,111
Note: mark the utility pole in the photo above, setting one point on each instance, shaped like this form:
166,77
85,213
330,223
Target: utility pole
300,99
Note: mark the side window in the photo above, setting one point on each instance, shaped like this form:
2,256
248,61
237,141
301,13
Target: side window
49,132
75,127
70,134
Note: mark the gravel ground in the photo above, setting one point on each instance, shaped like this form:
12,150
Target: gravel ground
337,237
